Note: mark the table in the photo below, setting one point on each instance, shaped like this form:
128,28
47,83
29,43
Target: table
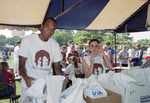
118,69
17,78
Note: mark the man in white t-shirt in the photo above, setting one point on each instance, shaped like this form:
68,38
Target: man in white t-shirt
16,60
131,52
36,54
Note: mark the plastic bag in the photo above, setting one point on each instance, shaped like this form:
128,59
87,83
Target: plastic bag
54,87
94,89
52,92
36,91
74,94
106,77
123,80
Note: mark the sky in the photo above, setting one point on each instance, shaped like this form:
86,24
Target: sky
136,35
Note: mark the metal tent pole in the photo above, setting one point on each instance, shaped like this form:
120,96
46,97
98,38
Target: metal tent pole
114,33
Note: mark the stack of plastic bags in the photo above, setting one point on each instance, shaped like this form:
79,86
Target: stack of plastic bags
52,93
127,78
89,87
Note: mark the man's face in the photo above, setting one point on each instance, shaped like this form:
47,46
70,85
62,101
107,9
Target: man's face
47,30
72,48
124,48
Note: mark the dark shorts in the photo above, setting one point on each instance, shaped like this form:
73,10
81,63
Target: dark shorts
10,91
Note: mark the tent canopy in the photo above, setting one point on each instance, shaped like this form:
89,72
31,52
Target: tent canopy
105,15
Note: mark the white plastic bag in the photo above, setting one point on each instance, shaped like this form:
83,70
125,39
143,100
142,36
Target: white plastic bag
36,91
148,74
53,90
106,77
94,89
74,94
123,80
54,87
138,74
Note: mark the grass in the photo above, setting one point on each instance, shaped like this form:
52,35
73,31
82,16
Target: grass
18,84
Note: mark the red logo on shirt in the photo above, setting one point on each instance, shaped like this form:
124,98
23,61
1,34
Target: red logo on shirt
42,58
97,68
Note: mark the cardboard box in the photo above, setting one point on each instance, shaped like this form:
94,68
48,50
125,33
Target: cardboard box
130,95
111,98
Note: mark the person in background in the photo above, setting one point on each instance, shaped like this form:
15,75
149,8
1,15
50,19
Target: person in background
94,63
6,52
148,53
16,57
68,48
131,52
86,50
136,61
36,54
72,69
4,57
63,61
7,74
123,57
9,53
107,52
112,52
77,48
72,54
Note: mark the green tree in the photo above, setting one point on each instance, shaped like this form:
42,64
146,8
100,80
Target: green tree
81,37
13,40
62,37
2,41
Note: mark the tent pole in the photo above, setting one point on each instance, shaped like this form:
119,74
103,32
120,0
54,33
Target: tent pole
62,13
62,6
114,33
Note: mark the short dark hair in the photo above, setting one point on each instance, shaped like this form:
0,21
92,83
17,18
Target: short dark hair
47,19
19,41
63,47
70,41
107,43
94,40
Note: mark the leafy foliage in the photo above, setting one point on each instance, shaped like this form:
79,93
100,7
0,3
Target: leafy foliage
62,37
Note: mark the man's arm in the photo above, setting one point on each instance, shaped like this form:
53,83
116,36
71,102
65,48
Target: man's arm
22,71
58,68
59,71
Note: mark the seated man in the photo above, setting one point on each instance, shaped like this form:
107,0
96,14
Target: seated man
5,76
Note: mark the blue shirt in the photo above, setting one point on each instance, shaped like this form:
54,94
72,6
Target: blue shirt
137,53
112,52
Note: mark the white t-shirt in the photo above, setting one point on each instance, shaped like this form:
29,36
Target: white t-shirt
39,55
16,50
72,71
148,51
68,50
106,53
99,67
131,52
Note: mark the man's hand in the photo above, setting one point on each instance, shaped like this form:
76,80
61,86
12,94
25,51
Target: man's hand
29,80
65,81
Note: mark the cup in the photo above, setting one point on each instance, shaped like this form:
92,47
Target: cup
120,65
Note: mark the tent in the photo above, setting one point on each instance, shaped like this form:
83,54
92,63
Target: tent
101,15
